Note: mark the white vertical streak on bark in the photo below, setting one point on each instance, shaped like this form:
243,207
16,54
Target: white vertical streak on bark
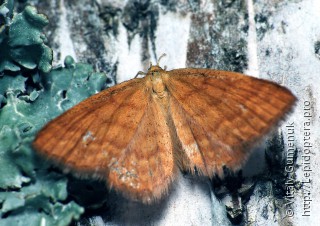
253,65
129,57
172,38
66,45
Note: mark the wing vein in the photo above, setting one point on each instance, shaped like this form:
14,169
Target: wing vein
217,110
232,109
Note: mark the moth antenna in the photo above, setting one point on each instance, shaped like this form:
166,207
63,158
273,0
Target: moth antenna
140,73
158,61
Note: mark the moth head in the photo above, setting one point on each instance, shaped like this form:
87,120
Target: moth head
156,70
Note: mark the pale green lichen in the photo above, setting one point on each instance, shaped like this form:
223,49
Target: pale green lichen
30,192
22,43
23,113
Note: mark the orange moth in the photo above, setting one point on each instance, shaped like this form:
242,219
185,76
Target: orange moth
138,134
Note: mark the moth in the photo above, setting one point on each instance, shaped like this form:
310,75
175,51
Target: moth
139,133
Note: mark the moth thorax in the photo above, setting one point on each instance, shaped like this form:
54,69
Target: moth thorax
158,86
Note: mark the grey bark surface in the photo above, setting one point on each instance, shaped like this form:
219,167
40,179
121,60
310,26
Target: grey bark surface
276,40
